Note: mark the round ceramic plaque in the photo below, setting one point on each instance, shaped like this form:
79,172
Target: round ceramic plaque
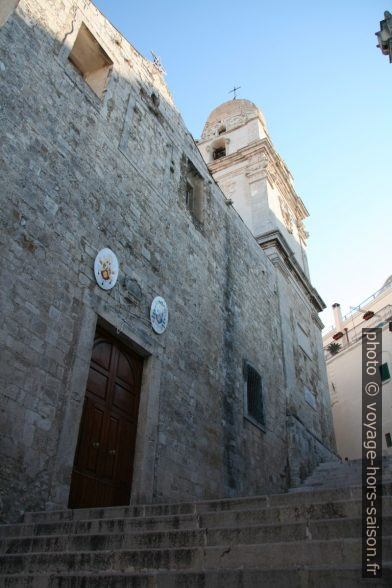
106,269
159,315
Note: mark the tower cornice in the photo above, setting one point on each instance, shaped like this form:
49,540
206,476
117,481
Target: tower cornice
261,158
279,252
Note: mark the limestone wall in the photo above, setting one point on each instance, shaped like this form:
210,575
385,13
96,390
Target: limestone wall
78,173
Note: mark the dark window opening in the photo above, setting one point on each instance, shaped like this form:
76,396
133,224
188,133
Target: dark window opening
189,196
254,395
219,152
194,192
155,99
384,372
388,439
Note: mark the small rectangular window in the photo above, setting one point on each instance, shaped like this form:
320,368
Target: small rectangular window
303,341
254,395
219,152
388,439
7,7
194,192
310,397
91,61
189,196
384,372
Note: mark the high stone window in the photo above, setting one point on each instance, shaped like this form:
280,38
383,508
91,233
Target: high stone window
7,8
189,197
91,61
254,406
218,149
384,372
219,152
194,192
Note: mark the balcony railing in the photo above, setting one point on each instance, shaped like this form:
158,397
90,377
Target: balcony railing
358,308
354,334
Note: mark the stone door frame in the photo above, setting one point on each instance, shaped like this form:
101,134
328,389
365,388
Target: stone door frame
151,349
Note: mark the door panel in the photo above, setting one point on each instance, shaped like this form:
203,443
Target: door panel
97,383
109,461
123,399
124,370
91,443
102,353
103,463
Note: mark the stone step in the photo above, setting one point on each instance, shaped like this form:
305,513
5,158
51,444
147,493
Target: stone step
336,481
342,481
332,475
315,577
257,534
329,492
327,483
265,556
248,503
385,459
352,469
348,473
308,537
270,515
349,478
385,464
339,475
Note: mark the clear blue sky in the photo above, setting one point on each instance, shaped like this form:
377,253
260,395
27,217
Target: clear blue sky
325,90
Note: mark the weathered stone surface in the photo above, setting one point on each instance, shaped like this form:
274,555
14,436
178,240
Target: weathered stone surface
307,537
79,173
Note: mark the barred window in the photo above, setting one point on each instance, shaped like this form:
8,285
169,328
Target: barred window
254,395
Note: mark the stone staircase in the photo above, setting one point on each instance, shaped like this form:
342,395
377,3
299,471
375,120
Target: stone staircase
302,539
342,474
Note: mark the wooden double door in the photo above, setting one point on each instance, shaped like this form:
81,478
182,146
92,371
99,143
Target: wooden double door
102,472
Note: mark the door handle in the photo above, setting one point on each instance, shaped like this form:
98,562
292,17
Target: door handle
95,444
112,452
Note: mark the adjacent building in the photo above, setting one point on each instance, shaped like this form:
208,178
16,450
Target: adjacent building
343,351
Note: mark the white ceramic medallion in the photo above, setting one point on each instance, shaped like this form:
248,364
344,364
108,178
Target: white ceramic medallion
106,269
159,315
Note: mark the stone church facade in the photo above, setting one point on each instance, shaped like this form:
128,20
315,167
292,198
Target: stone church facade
96,407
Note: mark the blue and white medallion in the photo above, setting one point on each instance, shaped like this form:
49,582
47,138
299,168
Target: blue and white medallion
159,315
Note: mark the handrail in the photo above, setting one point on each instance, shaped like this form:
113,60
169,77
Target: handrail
357,308
367,300
383,315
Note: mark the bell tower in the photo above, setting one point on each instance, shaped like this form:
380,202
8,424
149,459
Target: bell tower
239,153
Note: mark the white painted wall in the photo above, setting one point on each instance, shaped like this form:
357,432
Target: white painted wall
344,372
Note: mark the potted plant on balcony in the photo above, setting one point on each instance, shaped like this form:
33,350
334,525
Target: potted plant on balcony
368,315
334,348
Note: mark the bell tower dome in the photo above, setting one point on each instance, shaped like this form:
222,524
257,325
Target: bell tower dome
238,150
